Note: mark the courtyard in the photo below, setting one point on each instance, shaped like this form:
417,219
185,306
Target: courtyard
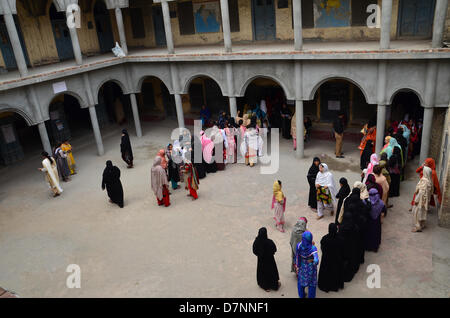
199,248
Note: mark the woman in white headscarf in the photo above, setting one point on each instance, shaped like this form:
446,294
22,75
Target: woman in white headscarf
423,194
326,191
51,173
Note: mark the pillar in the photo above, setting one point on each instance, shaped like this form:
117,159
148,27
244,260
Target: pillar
96,128
137,122
381,123
300,152
179,107
426,132
167,26
440,14
233,106
15,43
121,28
226,25
386,15
297,12
44,137
76,46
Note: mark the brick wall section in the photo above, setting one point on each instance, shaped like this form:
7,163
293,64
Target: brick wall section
447,26
436,133
444,212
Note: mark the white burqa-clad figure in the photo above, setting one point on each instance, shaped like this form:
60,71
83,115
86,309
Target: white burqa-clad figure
325,180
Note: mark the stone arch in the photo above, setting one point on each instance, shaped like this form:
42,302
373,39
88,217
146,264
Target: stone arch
106,80
310,96
276,80
192,77
138,87
80,100
409,90
24,114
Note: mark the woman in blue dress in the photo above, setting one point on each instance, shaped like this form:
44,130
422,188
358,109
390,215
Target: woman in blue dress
307,260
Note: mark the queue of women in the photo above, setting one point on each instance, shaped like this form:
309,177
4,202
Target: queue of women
359,215
359,212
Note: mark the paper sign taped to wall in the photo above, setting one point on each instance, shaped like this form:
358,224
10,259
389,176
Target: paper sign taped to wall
8,133
334,105
59,87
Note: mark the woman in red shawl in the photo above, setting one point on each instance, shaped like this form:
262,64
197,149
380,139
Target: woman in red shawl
369,134
162,154
192,180
160,185
429,162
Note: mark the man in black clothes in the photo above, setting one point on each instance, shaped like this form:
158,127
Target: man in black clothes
338,127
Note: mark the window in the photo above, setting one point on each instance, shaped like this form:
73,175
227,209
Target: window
307,14
359,14
282,4
233,8
186,18
137,23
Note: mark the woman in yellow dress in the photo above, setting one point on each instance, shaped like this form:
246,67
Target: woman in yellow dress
67,148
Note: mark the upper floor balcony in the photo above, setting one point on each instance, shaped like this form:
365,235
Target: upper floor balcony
35,35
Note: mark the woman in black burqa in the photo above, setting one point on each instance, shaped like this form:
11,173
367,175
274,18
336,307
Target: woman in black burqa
125,149
349,235
111,181
359,210
311,176
199,163
267,272
331,272
344,191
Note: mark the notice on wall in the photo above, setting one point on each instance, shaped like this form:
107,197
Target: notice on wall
59,125
290,102
8,133
59,87
334,105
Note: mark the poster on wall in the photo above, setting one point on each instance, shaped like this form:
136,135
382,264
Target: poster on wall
332,13
59,87
334,105
8,133
207,17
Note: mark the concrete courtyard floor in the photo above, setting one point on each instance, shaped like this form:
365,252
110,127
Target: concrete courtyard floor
197,248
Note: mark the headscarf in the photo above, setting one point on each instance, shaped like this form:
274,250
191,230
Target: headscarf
277,193
125,144
377,203
406,132
325,178
297,232
306,246
260,242
332,230
390,148
162,154
159,178
345,189
425,189
364,194
313,170
429,162
372,183
373,162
